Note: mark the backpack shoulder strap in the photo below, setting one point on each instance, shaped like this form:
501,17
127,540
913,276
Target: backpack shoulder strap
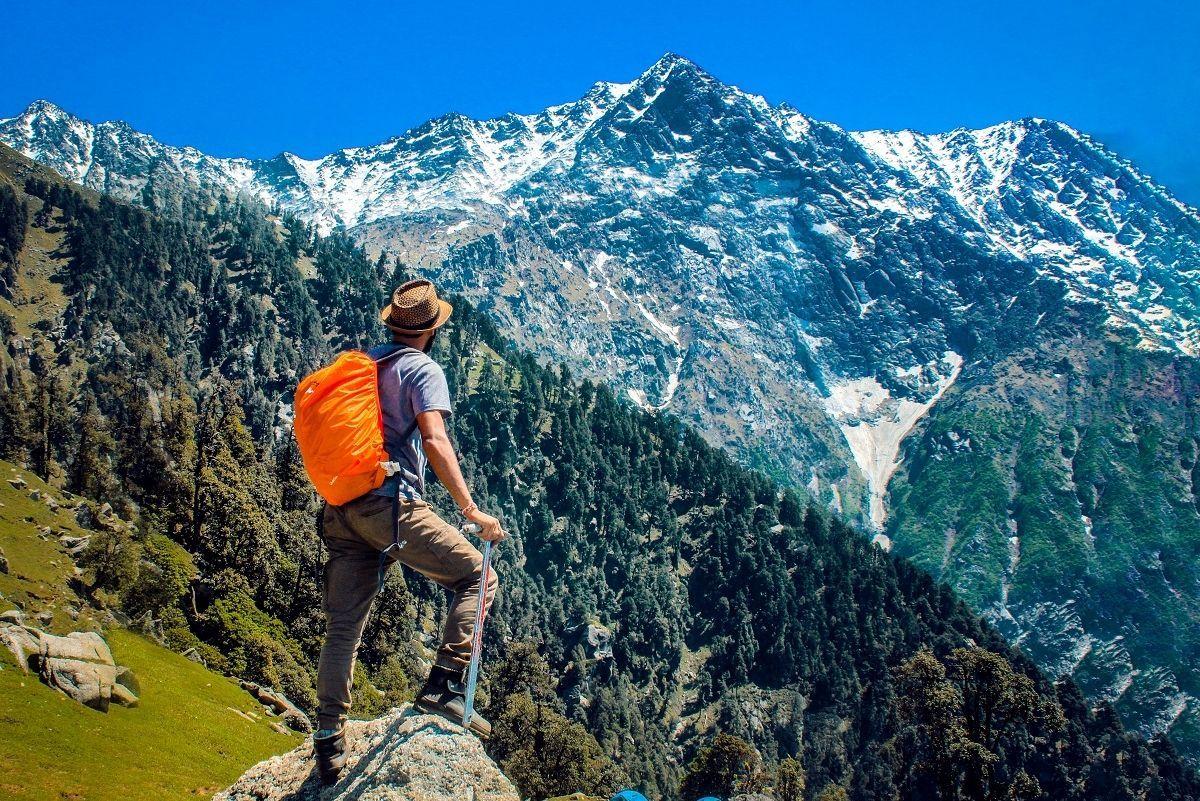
387,357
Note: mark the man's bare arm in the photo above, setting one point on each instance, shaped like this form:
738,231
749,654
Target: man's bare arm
444,462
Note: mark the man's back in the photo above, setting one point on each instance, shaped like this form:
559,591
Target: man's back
410,383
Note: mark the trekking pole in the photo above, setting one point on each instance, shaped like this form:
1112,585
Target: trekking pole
477,635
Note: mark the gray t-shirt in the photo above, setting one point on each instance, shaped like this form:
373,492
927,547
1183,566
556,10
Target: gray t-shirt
409,383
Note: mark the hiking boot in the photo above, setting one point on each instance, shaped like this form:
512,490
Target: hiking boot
444,694
330,748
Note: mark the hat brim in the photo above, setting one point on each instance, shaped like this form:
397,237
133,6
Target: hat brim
444,310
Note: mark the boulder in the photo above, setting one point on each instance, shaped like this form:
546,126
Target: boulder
123,696
84,516
74,545
3,563
17,483
19,640
84,646
278,703
79,664
296,720
12,616
600,639
402,756
89,683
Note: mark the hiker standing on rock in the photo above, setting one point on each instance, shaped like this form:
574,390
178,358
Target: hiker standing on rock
392,522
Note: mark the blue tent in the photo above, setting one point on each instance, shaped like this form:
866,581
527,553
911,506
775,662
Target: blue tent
628,795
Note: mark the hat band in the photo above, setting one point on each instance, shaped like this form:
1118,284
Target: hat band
418,327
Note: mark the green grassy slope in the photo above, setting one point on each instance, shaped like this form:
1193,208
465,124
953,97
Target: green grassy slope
193,733
1059,493
40,568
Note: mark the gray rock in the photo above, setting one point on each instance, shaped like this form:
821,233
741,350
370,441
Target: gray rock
87,646
3,563
84,516
123,696
45,616
402,756
12,616
79,664
296,720
127,679
195,656
35,494
18,483
19,640
279,704
600,639
89,683
74,545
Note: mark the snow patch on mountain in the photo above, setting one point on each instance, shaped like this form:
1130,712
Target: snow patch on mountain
874,423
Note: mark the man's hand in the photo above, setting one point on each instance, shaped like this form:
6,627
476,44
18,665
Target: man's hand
445,465
489,527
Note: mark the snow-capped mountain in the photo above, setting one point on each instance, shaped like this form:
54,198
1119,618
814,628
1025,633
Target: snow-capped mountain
747,196
802,294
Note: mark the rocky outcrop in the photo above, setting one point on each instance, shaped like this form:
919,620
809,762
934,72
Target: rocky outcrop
278,704
600,640
80,665
402,756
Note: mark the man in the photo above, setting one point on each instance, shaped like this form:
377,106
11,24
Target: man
394,524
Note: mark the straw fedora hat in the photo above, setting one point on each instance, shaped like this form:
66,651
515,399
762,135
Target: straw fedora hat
415,308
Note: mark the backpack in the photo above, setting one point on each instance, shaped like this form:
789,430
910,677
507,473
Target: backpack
339,427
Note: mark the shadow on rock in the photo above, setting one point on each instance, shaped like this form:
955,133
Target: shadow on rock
402,756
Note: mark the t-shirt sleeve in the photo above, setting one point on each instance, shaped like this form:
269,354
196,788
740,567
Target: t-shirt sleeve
430,393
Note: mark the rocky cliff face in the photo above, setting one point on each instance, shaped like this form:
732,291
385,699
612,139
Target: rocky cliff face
808,297
402,756
801,293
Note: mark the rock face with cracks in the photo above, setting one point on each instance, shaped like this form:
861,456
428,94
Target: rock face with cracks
79,664
402,756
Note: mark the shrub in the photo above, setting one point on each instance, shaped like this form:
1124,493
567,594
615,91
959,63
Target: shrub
547,755
728,767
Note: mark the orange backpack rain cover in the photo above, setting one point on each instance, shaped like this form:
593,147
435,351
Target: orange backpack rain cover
339,427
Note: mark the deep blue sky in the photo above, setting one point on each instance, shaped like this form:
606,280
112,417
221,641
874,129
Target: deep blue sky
255,79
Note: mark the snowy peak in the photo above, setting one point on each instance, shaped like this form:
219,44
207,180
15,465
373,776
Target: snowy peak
1045,193
47,133
1032,190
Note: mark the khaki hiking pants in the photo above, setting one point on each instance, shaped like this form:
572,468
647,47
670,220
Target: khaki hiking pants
356,534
